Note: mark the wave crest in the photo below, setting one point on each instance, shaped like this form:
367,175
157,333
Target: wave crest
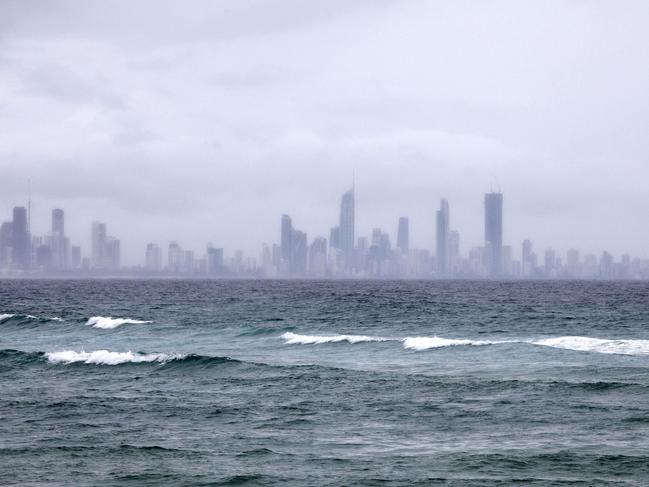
106,357
599,345
8,316
424,343
108,323
295,339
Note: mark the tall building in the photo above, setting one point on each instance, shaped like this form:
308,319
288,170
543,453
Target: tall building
175,258
443,229
214,261
453,251
286,264
403,235
550,262
153,258
113,253
318,257
75,257
299,253
58,244
573,265
6,242
99,240
346,236
528,266
493,204
334,238
58,222
21,240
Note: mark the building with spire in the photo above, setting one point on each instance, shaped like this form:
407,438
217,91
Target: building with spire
347,231
493,206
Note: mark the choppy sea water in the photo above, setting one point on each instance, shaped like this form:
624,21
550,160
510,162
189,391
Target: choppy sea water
323,383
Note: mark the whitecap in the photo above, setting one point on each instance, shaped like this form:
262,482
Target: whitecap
108,323
295,339
106,357
56,318
425,343
599,345
7,316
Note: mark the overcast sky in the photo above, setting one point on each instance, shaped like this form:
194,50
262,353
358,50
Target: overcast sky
204,121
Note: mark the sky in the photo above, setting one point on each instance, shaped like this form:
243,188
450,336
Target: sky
204,121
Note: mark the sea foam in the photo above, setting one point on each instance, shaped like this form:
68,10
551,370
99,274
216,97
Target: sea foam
106,357
424,343
599,345
295,339
108,323
8,316
420,343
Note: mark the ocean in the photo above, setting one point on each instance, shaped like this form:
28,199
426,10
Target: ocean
191,383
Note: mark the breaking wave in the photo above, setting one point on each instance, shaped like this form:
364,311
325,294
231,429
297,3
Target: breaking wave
295,339
599,345
424,343
10,358
108,323
106,357
8,316
420,343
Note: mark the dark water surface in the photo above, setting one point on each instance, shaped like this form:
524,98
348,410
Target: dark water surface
324,383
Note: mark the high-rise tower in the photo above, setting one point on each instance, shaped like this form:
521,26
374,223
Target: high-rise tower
346,235
403,235
493,206
58,222
443,229
286,263
99,240
21,245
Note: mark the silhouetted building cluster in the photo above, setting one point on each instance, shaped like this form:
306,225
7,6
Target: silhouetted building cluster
375,257
344,255
22,253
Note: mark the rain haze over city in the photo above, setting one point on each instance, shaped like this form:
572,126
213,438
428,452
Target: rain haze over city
167,126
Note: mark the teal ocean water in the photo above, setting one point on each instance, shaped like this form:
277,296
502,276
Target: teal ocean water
161,382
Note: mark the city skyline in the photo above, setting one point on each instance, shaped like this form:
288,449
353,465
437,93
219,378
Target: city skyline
345,254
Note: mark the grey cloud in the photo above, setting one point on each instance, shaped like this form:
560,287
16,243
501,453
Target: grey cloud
62,83
208,122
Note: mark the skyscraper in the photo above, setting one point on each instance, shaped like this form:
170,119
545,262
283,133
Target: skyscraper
453,251
58,222
153,258
286,264
403,235
21,245
214,260
98,256
6,242
346,236
527,258
493,204
443,229
75,256
58,247
298,253
318,257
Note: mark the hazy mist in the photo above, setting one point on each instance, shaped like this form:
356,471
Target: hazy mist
205,124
